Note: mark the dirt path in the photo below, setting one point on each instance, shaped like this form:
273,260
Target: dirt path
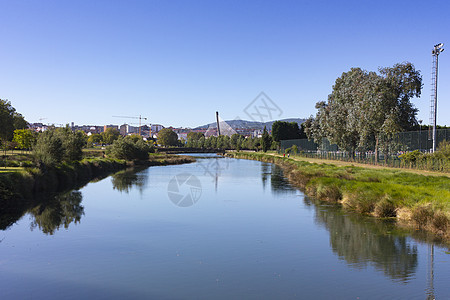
345,163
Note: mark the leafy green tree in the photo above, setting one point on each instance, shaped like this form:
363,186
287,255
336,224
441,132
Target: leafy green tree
9,120
130,148
19,121
266,140
59,144
24,138
223,142
366,108
166,137
110,135
282,130
94,139
72,143
195,135
234,141
256,143
48,149
194,139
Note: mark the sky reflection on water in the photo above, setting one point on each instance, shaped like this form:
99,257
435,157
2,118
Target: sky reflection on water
249,236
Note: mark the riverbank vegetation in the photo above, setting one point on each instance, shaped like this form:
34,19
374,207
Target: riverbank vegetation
261,141
57,162
422,202
439,161
366,109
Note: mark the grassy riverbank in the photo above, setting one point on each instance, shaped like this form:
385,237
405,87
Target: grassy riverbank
20,183
414,200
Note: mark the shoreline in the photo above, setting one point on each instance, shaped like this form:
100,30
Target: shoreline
28,182
417,202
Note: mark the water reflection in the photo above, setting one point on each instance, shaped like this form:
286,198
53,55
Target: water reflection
124,181
11,211
278,183
213,166
362,241
59,211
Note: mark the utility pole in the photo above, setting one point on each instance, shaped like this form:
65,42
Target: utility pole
434,80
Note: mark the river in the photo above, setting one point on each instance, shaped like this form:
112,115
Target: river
219,228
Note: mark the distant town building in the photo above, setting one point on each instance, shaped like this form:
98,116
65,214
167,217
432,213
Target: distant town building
110,126
38,127
87,128
156,128
126,129
182,136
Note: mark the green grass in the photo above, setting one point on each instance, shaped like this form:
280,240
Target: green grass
422,201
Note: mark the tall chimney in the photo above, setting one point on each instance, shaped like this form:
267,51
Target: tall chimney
217,119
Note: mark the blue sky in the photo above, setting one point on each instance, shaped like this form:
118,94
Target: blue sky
177,62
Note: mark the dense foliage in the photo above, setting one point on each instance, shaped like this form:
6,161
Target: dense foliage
166,137
56,145
266,140
24,138
282,130
130,148
235,142
438,161
9,120
106,137
365,109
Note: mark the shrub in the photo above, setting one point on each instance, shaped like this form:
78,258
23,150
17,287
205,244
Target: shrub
57,145
385,209
73,143
440,221
411,157
129,149
48,149
422,214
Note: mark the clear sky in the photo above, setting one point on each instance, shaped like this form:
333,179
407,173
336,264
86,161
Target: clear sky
177,62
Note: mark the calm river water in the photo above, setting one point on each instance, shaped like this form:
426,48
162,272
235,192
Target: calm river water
216,229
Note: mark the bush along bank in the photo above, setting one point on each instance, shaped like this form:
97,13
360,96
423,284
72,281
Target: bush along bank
26,182
29,181
418,201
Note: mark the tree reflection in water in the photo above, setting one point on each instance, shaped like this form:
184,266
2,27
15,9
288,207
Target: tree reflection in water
278,183
361,241
61,210
124,181
265,173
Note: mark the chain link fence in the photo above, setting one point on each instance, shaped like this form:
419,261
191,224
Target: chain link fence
402,142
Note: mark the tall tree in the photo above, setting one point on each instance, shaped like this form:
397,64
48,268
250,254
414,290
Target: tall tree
282,130
166,137
10,120
266,140
365,106
110,135
24,138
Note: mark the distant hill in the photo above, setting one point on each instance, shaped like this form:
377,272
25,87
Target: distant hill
243,124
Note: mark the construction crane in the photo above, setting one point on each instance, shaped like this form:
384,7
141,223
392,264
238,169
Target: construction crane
140,118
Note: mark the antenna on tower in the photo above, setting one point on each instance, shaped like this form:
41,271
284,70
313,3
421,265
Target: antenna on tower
437,49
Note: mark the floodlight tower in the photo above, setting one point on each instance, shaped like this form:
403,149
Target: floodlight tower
434,75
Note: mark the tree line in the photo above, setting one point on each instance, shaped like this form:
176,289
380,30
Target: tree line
280,130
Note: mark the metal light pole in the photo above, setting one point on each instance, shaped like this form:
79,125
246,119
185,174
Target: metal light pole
420,134
435,53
